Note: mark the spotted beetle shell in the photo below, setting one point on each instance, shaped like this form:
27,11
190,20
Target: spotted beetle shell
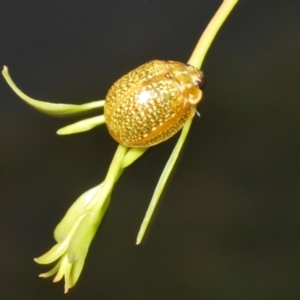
152,102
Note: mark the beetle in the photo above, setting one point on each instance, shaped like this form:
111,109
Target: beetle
151,103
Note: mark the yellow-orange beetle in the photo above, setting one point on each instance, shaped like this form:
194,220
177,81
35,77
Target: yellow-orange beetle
152,102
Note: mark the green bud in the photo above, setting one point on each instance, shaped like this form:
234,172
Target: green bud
74,235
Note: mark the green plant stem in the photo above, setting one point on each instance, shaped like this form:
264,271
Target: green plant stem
113,174
123,157
132,155
163,180
52,109
210,33
195,60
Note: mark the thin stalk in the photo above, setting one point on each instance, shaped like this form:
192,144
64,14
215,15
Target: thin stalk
52,109
113,174
163,180
195,60
210,33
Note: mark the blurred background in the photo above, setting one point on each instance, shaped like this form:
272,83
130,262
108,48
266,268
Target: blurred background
228,224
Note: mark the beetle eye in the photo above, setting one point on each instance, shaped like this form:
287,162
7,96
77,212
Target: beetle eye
200,84
168,75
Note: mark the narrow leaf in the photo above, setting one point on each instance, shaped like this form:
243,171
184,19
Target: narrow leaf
163,180
82,126
52,109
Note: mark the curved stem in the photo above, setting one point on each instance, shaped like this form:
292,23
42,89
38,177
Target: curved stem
52,109
210,32
195,60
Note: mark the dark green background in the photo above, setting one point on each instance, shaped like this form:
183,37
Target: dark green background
228,223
